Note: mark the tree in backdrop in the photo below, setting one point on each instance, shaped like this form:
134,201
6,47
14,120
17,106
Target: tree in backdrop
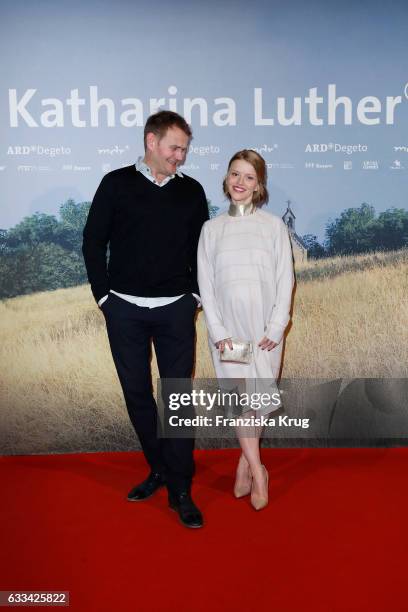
42,252
45,252
32,231
352,232
314,249
73,218
212,210
391,230
358,230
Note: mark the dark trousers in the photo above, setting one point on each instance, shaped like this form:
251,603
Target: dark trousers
131,329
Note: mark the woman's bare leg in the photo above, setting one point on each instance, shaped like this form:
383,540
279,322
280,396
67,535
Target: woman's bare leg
250,458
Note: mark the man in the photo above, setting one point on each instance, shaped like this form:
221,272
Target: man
150,215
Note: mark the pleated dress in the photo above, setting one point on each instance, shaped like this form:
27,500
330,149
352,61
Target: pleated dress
245,275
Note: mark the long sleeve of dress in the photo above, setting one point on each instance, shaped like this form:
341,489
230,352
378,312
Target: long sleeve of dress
284,286
206,283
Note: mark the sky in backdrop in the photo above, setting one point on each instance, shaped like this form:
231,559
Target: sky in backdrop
225,54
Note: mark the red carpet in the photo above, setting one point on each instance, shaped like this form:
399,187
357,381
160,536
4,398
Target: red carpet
333,538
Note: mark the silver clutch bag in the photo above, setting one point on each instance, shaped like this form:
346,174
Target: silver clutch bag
241,351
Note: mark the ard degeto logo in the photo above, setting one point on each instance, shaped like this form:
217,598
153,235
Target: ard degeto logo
335,147
38,150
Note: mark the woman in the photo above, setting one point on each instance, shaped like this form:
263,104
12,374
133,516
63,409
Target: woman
245,275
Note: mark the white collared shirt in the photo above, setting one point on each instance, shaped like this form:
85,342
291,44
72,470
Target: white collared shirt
142,167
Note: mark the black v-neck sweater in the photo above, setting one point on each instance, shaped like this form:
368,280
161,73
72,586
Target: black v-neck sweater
152,233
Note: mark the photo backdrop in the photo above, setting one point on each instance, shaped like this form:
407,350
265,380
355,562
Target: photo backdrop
320,89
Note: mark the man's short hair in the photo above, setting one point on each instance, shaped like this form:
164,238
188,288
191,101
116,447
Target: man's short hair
160,122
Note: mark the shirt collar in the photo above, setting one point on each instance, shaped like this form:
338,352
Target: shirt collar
142,167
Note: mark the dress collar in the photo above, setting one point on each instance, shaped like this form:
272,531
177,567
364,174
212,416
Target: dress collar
241,210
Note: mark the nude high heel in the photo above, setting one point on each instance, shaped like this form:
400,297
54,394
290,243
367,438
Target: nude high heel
243,481
259,501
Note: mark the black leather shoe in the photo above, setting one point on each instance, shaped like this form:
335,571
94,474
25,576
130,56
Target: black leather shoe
147,488
188,512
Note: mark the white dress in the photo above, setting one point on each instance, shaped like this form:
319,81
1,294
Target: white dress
245,275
